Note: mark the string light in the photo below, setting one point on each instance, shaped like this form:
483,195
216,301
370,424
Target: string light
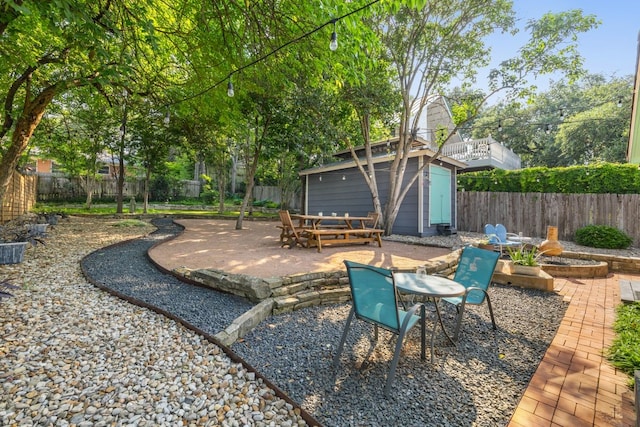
230,91
333,45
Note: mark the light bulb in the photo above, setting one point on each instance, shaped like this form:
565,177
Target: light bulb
334,41
230,91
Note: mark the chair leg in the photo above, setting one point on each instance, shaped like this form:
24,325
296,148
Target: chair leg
493,320
394,363
336,358
460,310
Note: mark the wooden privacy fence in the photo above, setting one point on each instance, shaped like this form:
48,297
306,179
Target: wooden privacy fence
52,187
531,213
20,196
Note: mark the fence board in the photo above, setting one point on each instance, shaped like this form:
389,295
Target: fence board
531,213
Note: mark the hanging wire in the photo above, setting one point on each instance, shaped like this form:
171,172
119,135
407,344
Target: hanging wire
276,50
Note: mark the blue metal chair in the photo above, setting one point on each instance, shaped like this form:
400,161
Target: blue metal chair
474,272
375,301
498,236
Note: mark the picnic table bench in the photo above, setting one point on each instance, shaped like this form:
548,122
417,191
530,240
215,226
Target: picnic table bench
341,236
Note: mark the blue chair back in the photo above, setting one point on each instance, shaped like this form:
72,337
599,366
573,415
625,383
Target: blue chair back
374,295
475,269
492,234
501,232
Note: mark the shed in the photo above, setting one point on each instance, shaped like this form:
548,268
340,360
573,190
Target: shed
428,209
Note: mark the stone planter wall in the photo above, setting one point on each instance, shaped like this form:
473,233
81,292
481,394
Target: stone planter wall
289,293
615,263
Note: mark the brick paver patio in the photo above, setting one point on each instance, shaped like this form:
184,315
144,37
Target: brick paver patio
574,384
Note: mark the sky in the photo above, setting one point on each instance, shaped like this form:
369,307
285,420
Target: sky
611,49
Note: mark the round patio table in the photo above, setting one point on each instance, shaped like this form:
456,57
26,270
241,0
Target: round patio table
430,288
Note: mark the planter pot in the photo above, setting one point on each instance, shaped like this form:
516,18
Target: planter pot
504,266
38,229
488,246
526,270
12,253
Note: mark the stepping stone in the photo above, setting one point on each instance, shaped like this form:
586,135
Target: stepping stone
629,290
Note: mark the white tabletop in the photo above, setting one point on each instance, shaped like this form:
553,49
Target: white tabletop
519,239
427,285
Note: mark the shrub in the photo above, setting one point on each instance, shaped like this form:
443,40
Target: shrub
602,236
209,196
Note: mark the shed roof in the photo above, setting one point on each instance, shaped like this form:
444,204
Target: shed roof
381,154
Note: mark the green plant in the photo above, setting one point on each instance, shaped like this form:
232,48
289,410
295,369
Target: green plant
624,352
4,287
524,256
602,236
130,223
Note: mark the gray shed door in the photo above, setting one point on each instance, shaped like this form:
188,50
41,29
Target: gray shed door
440,195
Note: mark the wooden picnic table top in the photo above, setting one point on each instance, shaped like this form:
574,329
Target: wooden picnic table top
316,220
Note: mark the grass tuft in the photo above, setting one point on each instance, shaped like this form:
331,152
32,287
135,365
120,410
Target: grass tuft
624,352
130,223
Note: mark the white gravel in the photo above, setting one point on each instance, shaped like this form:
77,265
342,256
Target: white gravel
71,354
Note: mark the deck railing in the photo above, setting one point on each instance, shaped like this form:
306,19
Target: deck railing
485,152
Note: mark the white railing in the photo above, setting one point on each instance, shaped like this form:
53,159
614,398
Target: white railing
483,152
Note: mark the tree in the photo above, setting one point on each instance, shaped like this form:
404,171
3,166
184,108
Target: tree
75,134
568,124
50,48
431,44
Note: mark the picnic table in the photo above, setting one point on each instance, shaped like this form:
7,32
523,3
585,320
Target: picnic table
332,230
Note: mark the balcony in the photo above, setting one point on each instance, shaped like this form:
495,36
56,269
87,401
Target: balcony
482,154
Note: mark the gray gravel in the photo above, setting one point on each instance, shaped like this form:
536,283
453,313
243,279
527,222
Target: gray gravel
483,378
125,268
479,383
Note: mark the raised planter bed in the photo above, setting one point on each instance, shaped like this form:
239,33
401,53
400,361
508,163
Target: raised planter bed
598,269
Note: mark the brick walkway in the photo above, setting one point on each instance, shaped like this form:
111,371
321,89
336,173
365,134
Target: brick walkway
574,384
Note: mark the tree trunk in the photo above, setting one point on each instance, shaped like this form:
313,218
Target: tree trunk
221,185
250,177
120,180
145,197
89,186
26,124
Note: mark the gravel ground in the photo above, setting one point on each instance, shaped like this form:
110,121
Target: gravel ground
478,384
71,354
135,277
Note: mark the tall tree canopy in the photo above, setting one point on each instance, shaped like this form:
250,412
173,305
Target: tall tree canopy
180,56
568,124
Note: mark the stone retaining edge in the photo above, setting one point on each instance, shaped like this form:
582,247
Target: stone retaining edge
285,294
